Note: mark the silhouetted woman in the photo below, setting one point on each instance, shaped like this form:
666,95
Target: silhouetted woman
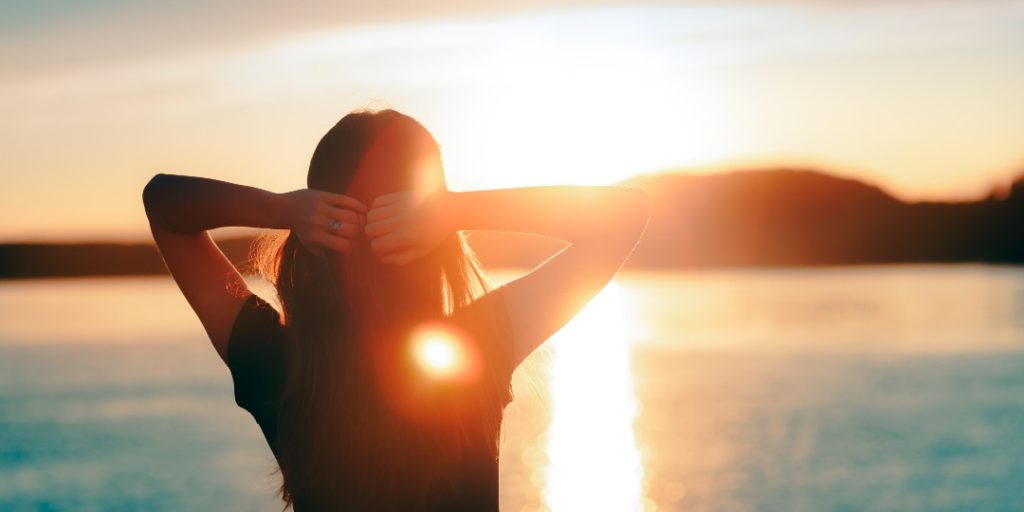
381,383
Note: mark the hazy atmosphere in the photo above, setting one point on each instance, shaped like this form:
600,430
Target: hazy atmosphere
921,98
805,291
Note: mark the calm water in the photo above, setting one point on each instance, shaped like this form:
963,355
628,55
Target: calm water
884,388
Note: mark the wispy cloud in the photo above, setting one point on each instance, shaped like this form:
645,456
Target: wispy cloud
873,87
472,52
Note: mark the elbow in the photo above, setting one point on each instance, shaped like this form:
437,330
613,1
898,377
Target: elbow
153,193
152,189
636,210
628,210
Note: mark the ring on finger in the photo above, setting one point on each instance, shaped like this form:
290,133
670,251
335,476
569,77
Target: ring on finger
334,225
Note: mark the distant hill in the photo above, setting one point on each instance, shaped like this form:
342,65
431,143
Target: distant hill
94,259
795,217
802,217
750,218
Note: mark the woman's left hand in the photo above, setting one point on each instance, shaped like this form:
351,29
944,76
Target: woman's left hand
323,220
403,226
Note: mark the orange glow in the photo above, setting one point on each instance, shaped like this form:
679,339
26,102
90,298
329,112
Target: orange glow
592,359
438,355
444,354
588,95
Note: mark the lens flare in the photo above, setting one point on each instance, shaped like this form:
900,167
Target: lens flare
441,352
438,355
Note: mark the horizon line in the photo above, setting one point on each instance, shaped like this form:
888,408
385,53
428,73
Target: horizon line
231,233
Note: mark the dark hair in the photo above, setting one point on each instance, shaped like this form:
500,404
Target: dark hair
349,435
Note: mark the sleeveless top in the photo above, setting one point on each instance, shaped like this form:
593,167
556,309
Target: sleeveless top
257,359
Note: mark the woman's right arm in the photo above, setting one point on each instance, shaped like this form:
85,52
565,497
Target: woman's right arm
182,210
600,224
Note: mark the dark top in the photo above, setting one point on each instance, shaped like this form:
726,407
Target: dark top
257,359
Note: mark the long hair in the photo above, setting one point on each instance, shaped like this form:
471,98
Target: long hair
352,432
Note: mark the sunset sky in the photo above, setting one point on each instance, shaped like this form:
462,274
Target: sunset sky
923,98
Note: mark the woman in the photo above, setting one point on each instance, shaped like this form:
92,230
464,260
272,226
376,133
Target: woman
374,266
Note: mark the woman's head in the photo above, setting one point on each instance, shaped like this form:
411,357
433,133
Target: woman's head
365,155
340,416
368,154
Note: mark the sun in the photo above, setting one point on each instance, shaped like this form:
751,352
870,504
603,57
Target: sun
542,116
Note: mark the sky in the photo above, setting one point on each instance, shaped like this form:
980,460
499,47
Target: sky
922,98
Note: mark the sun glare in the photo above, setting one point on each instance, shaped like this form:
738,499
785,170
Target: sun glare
582,114
594,463
442,353
438,355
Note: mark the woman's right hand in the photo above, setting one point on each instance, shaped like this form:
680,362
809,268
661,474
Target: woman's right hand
323,220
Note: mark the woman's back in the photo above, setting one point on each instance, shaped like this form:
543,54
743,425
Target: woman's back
392,466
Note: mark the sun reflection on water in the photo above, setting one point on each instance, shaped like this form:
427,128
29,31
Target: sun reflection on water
593,461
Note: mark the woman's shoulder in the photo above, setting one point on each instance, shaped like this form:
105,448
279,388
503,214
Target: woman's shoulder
485,318
257,321
486,321
256,350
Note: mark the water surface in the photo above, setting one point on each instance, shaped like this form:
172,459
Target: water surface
873,388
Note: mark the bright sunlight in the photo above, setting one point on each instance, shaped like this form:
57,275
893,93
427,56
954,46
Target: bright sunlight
438,355
443,354
594,463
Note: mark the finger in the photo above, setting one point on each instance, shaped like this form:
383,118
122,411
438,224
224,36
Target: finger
347,230
334,227
386,199
377,213
344,215
344,201
383,246
378,229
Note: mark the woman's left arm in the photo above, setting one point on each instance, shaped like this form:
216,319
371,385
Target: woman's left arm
181,209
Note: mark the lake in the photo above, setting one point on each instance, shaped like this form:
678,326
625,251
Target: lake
864,388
